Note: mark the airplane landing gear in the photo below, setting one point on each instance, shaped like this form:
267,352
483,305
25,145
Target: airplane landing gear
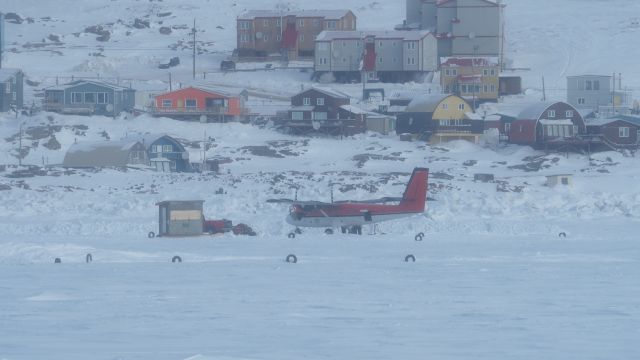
355,229
328,231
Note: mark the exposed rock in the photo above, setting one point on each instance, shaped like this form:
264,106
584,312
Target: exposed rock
4,187
165,14
165,30
140,24
13,18
54,38
52,144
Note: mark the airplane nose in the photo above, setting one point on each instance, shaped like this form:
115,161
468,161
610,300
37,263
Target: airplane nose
290,220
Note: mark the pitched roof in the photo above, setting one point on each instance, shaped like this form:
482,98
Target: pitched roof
327,91
493,3
6,73
107,153
82,82
335,14
469,61
390,34
634,120
535,111
211,89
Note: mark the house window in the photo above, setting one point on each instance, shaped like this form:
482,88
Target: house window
89,98
306,101
316,22
445,106
447,72
485,88
278,22
245,25
265,38
102,98
331,24
565,181
244,38
588,85
454,72
411,45
596,85
166,103
380,60
380,43
297,115
157,148
320,101
485,72
265,22
551,113
278,37
191,103
581,101
320,116
167,148
300,22
411,61
76,98
623,132
493,72
507,127
301,37
323,61
569,114
460,106
493,88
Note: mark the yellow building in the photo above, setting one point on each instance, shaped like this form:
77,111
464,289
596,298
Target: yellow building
474,78
439,118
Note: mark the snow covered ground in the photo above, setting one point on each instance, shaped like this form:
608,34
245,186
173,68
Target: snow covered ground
492,279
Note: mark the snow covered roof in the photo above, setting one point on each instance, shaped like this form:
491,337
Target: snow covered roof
356,110
535,111
107,153
7,73
327,14
212,89
426,103
148,139
556,122
469,61
635,120
327,91
82,82
406,94
390,34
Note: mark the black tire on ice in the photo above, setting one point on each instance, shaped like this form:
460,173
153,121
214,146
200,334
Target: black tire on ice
151,235
57,261
176,259
89,258
418,237
409,257
562,235
292,258
328,231
291,235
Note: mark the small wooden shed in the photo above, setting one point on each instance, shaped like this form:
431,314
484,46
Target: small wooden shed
560,179
180,218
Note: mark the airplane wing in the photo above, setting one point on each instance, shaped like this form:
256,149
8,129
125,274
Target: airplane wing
374,201
296,202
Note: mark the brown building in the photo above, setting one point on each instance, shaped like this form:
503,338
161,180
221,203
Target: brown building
291,34
471,77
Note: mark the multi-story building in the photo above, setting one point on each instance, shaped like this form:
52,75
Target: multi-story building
384,55
290,34
11,89
597,93
474,78
463,27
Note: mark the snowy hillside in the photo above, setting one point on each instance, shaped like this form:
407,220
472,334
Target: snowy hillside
493,278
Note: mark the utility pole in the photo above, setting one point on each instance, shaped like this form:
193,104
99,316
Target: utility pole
194,49
613,95
170,89
20,147
544,91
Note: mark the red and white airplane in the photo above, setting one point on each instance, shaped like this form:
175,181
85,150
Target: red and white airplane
351,215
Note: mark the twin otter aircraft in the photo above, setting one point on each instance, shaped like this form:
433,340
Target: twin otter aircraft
351,215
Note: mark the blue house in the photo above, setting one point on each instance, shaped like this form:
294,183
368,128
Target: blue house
166,154
11,89
89,98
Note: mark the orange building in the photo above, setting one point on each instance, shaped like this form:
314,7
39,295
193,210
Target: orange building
201,103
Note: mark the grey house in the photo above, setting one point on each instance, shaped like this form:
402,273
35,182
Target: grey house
596,93
11,89
89,98
106,154
385,55
463,27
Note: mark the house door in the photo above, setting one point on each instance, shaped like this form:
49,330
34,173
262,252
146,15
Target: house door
163,220
180,103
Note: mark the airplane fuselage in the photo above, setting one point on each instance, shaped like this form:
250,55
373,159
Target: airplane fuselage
346,214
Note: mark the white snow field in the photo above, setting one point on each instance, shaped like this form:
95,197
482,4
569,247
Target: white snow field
492,279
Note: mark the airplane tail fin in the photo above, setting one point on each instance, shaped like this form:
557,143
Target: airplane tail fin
415,195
